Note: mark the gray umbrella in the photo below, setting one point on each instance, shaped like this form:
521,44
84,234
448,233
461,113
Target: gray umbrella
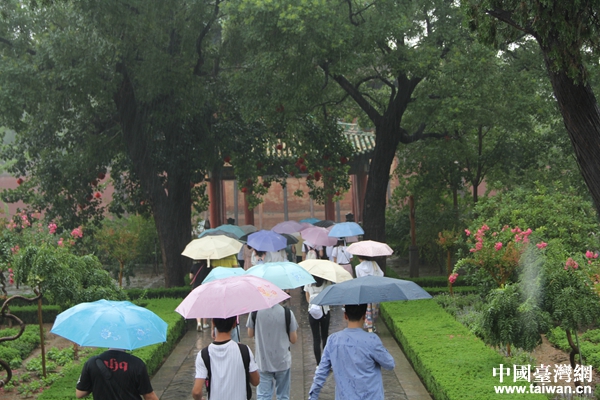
370,289
326,223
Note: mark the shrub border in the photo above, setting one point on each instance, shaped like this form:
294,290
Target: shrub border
452,363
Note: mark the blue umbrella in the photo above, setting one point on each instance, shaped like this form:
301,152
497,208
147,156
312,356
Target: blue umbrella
346,229
222,272
264,240
310,220
285,275
236,230
113,324
370,289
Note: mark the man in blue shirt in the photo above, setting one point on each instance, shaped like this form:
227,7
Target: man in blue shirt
356,358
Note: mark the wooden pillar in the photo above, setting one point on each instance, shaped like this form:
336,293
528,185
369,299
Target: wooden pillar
248,213
359,188
215,192
329,207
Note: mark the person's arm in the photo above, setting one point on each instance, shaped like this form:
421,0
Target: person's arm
150,396
81,394
250,333
197,389
307,296
320,375
383,357
293,337
254,378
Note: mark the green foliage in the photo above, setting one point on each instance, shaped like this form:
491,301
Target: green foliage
552,212
65,279
589,344
15,351
451,361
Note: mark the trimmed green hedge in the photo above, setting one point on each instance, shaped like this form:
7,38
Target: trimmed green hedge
158,293
428,281
29,314
153,356
460,289
452,362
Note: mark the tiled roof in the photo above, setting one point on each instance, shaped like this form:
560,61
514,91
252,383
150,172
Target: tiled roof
362,141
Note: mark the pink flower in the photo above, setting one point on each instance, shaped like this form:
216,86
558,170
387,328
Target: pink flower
485,228
473,250
527,232
52,228
571,264
60,242
495,234
478,246
77,232
452,278
591,254
498,246
468,232
541,245
15,249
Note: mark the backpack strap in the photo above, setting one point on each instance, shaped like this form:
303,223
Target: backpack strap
288,319
206,358
246,359
107,375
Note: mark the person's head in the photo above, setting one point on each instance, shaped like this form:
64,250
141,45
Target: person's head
355,312
340,242
224,324
318,281
259,253
365,258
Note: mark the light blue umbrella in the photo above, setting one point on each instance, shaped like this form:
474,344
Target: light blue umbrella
283,274
236,230
346,229
370,289
264,240
112,324
222,272
310,220
216,232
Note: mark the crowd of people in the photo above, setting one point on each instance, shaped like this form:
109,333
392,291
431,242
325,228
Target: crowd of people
226,369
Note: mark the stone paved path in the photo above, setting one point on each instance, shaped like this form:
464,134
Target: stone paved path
175,379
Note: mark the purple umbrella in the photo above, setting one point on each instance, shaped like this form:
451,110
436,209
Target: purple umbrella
264,240
287,227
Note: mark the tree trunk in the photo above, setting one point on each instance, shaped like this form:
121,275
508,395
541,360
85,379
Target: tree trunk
386,143
171,206
581,117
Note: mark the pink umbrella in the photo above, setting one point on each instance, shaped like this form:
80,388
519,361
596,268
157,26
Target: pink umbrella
287,227
370,248
228,297
318,236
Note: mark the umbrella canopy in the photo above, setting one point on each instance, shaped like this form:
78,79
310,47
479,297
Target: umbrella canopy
326,269
291,239
105,323
286,275
311,221
370,248
318,236
236,230
212,247
217,232
222,272
264,240
248,229
346,229
370,289
287,227
326,223
230,297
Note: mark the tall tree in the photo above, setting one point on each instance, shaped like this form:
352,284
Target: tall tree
321,53
568,33
130,88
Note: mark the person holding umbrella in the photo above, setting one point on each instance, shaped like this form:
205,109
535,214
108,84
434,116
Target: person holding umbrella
198,273
342,257
356,358
318,316
368,267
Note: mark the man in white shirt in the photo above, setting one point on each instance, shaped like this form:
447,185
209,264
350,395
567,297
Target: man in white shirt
227,370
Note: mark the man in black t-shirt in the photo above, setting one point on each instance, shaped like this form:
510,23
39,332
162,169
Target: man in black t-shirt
128,378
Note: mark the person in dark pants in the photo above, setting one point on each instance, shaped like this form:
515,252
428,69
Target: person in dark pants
318,316
198,273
